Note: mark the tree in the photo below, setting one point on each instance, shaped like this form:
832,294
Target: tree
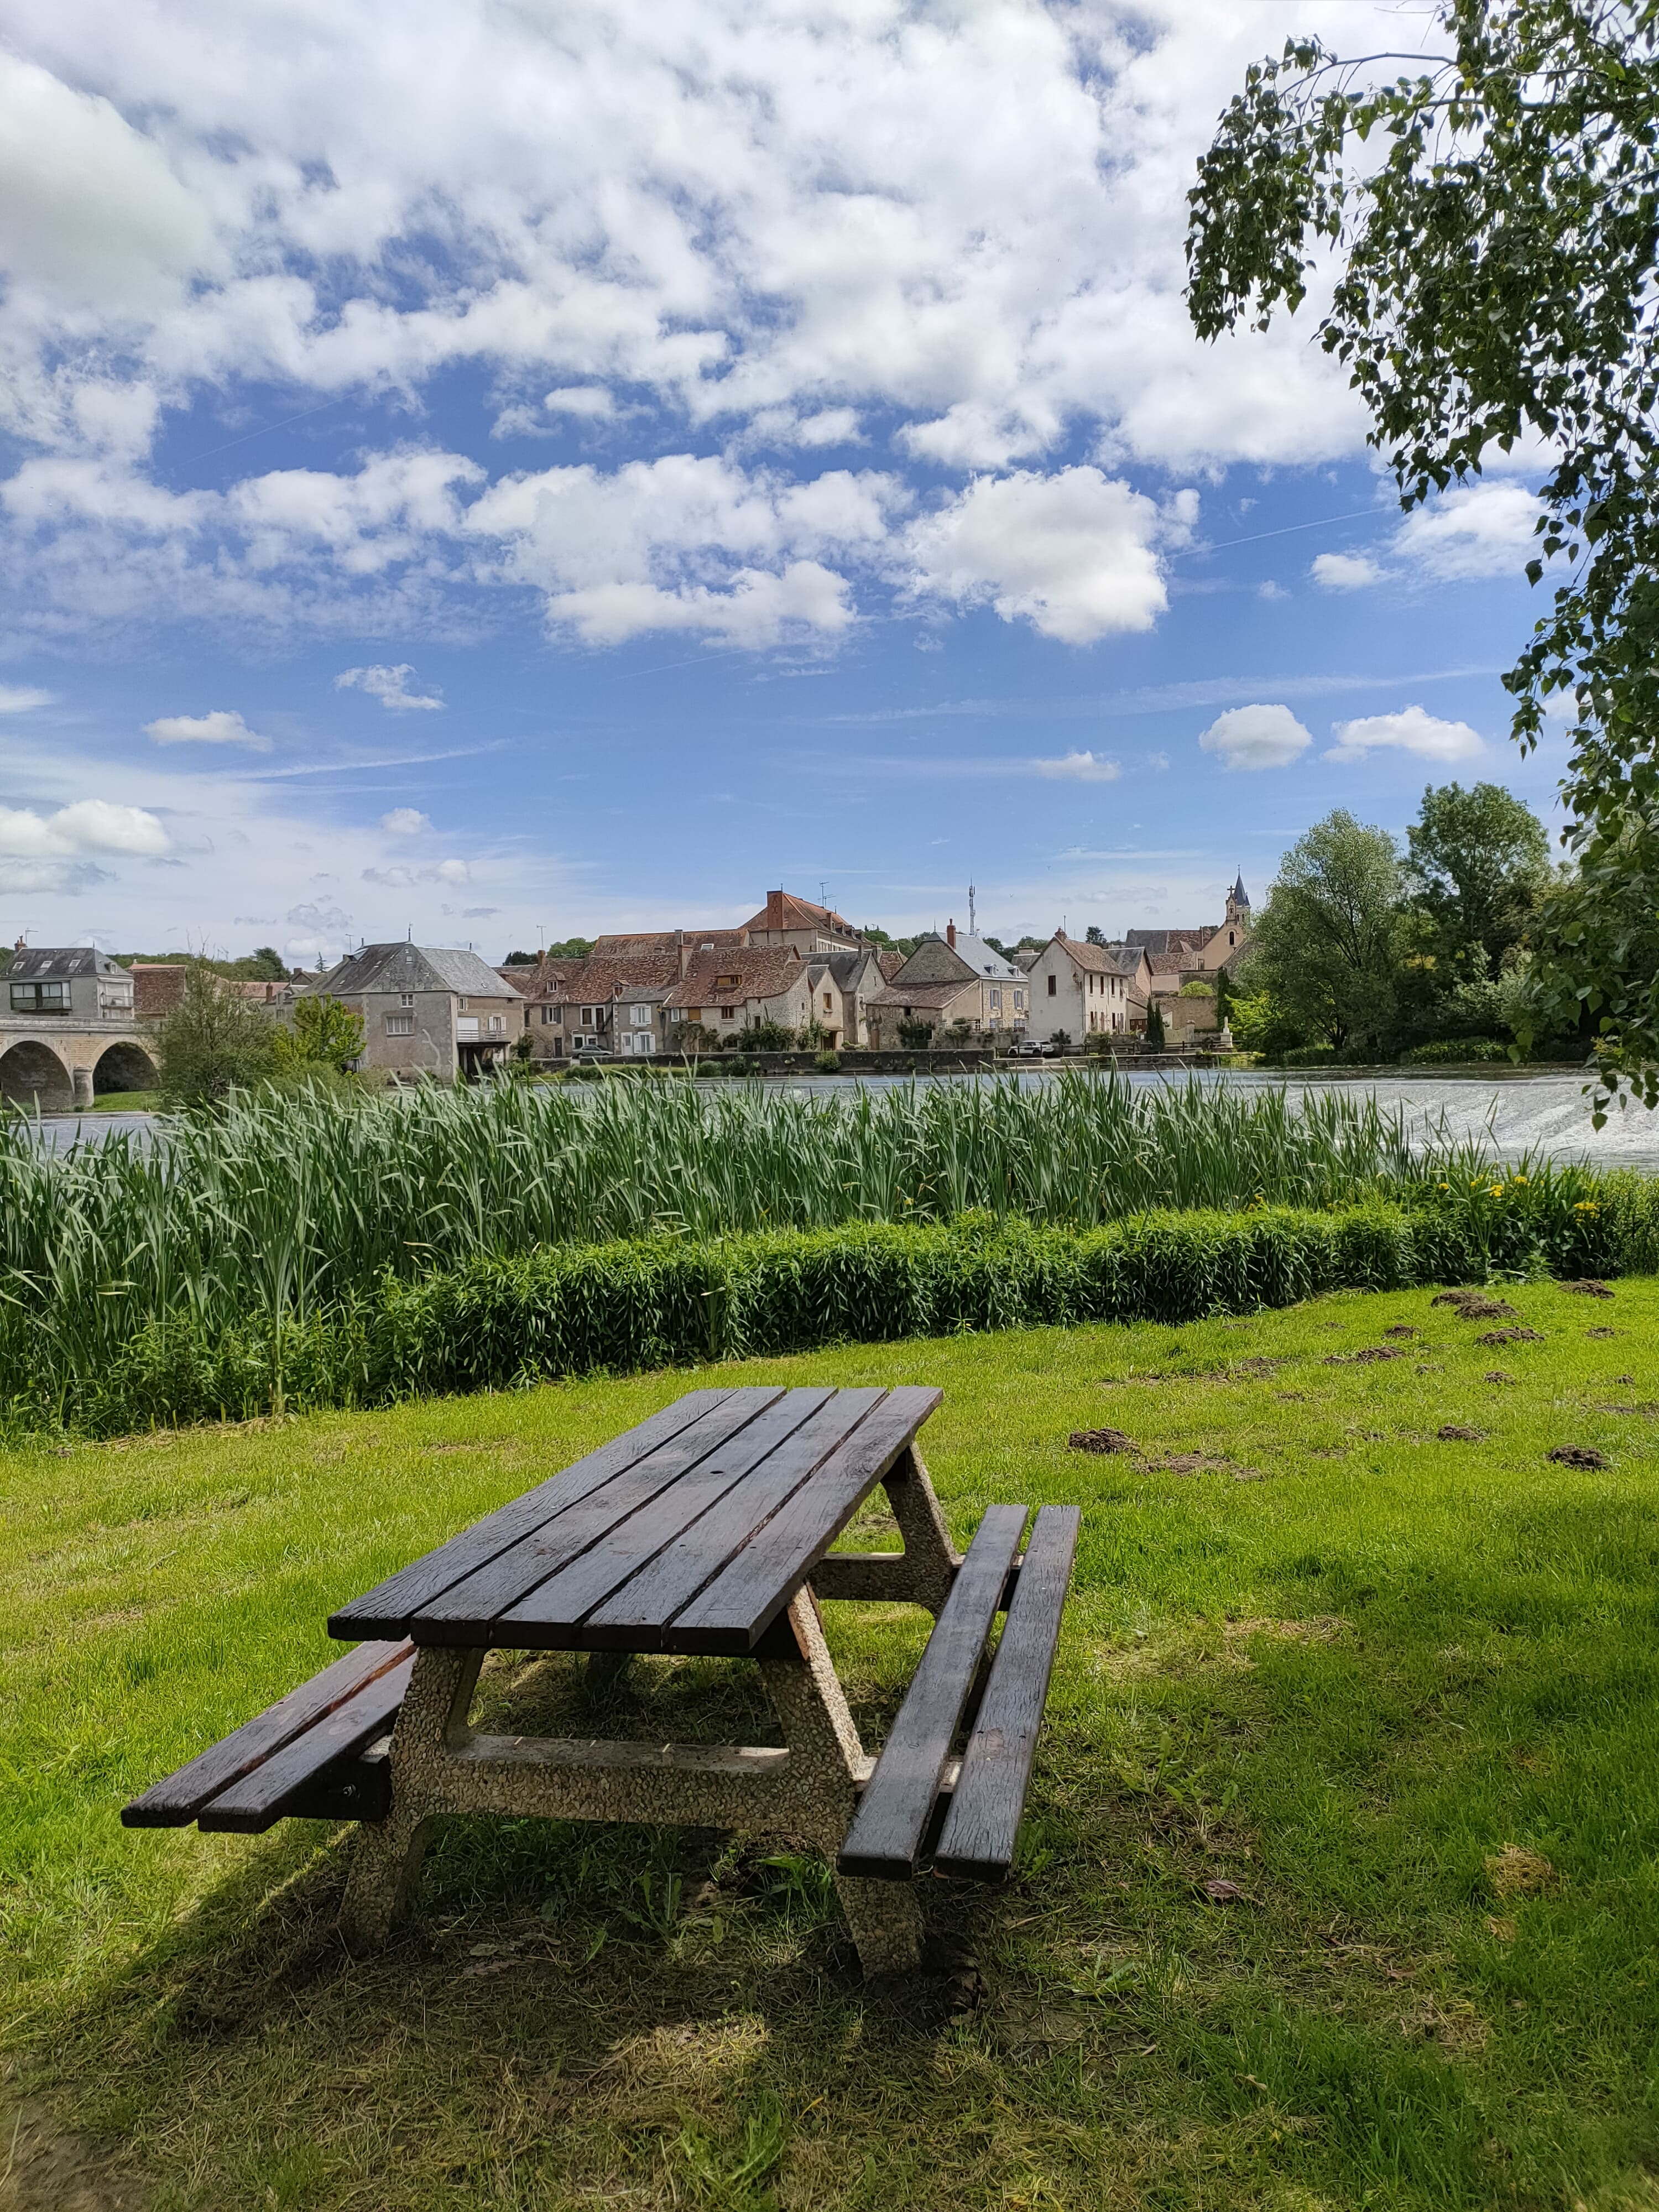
574,948
1493,216
1225,997
1477,871
518,959
1094,934
1328,945
1156,1036
872,935
326,1034
213,1042
915,1036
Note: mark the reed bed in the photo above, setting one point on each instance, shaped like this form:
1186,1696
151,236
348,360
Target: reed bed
280,1211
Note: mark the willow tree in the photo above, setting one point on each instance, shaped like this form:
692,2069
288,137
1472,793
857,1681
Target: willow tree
1492,214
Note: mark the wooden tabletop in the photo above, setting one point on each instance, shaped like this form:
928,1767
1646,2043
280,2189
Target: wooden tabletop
690,1533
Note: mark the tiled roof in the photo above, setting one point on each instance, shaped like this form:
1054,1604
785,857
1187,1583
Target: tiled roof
783,910
760,971
1168,940
890,963
933,962
35,964
630,945
602,977
1101,959
1171,963
404,967
925,997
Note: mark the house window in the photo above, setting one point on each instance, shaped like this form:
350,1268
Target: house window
549,1014
726,1013
641,1014
1019,1002
1053,986
39,998
587,1017
466,1025
996,1002
827,1002
725,983
407,999
497,1023
400,1024
463,1004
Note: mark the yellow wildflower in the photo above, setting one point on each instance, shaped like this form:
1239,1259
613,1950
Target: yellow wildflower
1497,1191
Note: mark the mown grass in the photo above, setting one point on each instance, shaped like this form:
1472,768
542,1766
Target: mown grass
1399,1692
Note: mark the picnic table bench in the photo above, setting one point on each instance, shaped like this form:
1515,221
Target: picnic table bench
706,1529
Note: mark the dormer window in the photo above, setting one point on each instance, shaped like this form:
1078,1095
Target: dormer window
725,983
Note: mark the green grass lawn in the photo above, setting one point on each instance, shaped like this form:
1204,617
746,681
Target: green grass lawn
1401,1694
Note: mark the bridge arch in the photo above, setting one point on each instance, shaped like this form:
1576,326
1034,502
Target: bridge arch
123,1066
32,1073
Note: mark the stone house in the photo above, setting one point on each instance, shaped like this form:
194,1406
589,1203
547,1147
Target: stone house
1183,956
608,1005
75,980
729,990
427,1012
786,920
842,986
946,980
1083,990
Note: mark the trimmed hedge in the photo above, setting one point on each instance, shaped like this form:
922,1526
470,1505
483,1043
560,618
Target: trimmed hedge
574,1310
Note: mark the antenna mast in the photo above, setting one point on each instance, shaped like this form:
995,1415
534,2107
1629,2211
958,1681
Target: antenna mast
973,927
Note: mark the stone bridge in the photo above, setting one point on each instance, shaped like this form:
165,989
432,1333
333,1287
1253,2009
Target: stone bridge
67,1061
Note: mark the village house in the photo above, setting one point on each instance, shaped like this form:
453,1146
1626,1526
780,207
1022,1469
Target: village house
427,1013
842,986
723,993
1080,990
947,981
1185,956
786,920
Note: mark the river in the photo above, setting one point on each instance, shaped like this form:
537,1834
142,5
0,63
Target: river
1543,1113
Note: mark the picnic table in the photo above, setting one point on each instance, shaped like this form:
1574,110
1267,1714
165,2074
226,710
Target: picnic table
706,1529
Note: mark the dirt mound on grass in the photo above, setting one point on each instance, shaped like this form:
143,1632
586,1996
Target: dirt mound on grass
1512,1336
1368,1357
1474,1305
1454,1433
1588,1287
1102,1440
1584,1455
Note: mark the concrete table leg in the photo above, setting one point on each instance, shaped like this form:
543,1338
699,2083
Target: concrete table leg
431,1724
826,1761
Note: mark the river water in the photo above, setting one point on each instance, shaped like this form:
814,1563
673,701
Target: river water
1547,1113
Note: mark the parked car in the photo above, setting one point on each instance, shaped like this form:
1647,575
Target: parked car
1032,1049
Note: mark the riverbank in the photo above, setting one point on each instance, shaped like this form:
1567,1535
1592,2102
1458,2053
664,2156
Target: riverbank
1337,1887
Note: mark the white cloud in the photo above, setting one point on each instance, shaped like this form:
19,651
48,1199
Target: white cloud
85,825
1411,731
1255,738
1478,530
402,879
1079,768
219,728
592,401
1074,554
1346,572
389,685
701,211
21,698
405,822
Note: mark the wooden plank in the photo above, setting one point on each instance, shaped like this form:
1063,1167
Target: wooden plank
251,1806
733,1612
470,1612
637,1617
174,1802
885,1838
354,1788
804,1427
387,1609
977,1841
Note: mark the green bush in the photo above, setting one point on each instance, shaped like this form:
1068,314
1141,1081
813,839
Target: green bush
1452,1051
496,1322
828,1063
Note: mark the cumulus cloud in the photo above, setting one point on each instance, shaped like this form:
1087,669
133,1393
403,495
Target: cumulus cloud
697,213
1079,768
405,822
389,685
221,727
1074,554
1410,731
1346,572
87,825
22,698
402,879
1478,530
1256,737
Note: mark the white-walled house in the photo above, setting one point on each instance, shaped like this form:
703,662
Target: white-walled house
1081,990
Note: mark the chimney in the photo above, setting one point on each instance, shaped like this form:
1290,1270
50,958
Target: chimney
680,951
951,934
774,911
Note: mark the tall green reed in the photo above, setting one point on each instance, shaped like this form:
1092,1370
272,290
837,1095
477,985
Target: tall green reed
277,1209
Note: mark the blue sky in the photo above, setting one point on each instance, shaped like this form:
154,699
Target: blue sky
502,474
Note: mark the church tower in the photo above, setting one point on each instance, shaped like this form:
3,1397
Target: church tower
1238,906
